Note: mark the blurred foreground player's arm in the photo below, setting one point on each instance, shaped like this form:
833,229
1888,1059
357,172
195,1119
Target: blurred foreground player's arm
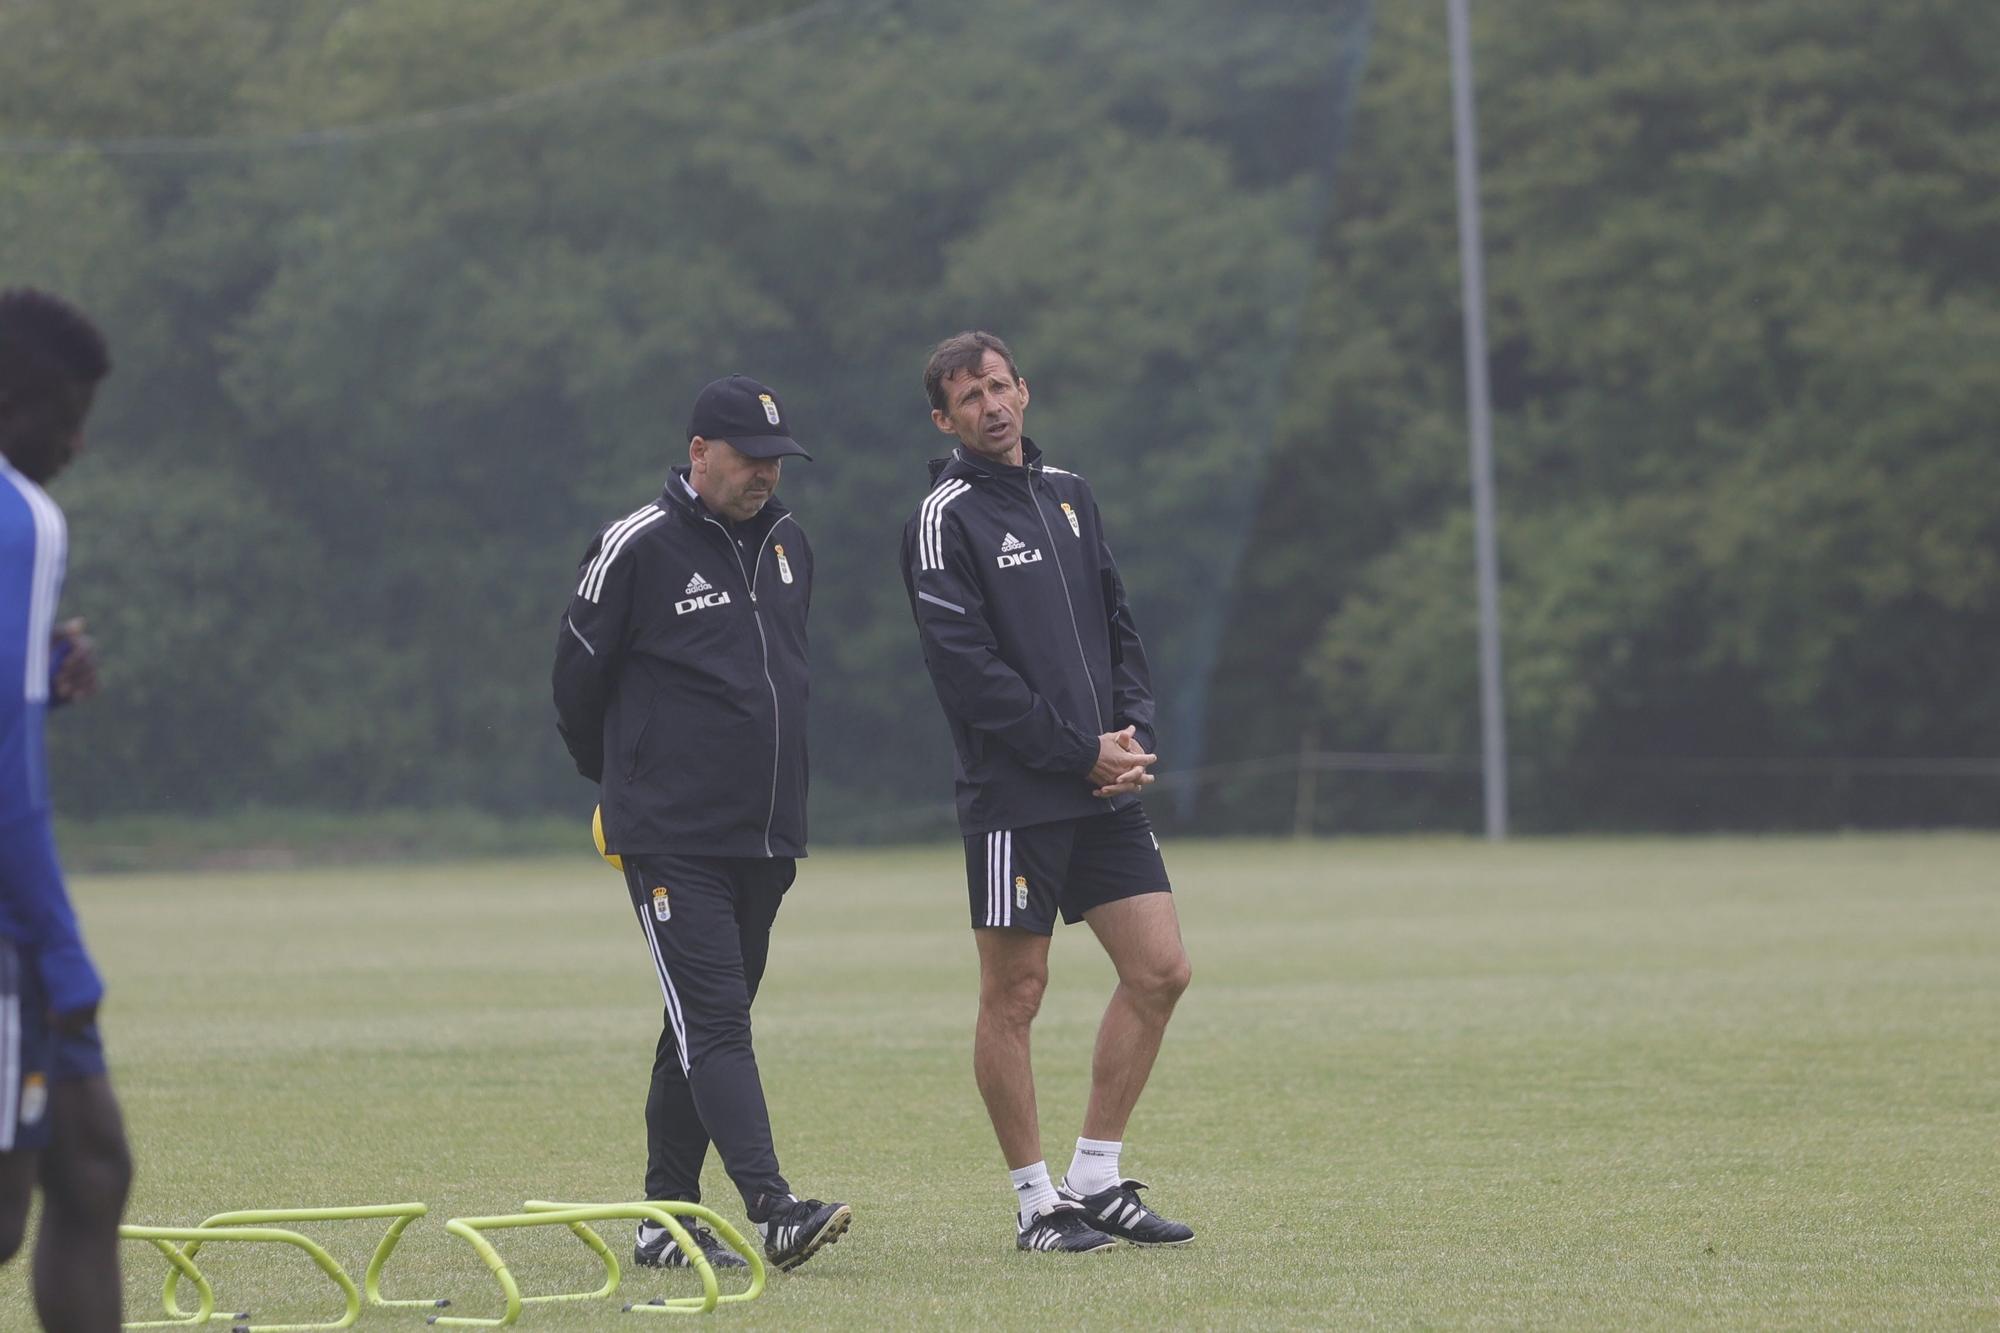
33,901
40,917
588,646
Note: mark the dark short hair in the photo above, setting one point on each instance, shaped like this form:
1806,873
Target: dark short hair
37,325
957,354
51,359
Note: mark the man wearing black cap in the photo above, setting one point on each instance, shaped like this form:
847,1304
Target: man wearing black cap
680,687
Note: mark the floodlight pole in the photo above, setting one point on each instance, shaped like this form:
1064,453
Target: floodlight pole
1479,409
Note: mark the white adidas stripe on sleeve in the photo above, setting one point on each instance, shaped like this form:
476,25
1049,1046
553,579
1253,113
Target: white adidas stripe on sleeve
615,539
930,526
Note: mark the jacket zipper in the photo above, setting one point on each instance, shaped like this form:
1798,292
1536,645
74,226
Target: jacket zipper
1063,574
777,724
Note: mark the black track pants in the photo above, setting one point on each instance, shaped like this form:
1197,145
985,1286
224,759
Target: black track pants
707,921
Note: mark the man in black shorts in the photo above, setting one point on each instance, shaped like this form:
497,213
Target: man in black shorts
1043,679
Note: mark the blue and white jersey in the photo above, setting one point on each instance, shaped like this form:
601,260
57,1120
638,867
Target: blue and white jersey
34,547
34,905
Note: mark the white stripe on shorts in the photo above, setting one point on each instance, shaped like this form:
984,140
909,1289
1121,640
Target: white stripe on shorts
1007,878
999,879
992,875
10,1071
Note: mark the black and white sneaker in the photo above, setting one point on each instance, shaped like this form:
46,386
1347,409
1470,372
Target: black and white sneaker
1118,1212
1063,1229
655,1248
795,1229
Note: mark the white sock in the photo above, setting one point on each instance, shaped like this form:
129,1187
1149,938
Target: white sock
649,1232
1094,1169
1033,1190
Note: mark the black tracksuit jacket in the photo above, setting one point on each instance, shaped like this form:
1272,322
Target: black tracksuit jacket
680,679
1027,635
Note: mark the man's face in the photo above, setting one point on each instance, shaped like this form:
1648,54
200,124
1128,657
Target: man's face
984,409
733,485
42,440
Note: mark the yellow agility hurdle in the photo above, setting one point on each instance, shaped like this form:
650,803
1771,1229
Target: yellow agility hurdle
180,1264
195,1237
577,1217
697,1260
403,1213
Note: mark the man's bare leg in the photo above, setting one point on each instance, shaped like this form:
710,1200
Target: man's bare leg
86,1171
1013,973
1143,936
17,1191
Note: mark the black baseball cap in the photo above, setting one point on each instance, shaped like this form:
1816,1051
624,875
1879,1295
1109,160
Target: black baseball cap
746,415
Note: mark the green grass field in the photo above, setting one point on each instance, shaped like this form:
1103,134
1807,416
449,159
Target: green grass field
1583,1084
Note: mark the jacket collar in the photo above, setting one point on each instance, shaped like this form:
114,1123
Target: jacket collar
676,497
961,463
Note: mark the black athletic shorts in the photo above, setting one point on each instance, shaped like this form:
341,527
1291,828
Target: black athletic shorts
1021,877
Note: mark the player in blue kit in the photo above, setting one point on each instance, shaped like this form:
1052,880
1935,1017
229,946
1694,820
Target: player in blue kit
59,1122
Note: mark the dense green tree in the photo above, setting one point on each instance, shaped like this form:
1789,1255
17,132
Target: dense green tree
408,296
427,347
1743,296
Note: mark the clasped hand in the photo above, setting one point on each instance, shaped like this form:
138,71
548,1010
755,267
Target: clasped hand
1121,765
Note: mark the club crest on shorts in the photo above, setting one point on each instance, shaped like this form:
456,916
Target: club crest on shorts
1070,514
661,911
784,565
34,1098
1020,891
770,408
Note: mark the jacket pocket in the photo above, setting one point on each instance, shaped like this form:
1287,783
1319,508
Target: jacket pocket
638,760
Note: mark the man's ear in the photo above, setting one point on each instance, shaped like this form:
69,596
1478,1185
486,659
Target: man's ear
942,422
